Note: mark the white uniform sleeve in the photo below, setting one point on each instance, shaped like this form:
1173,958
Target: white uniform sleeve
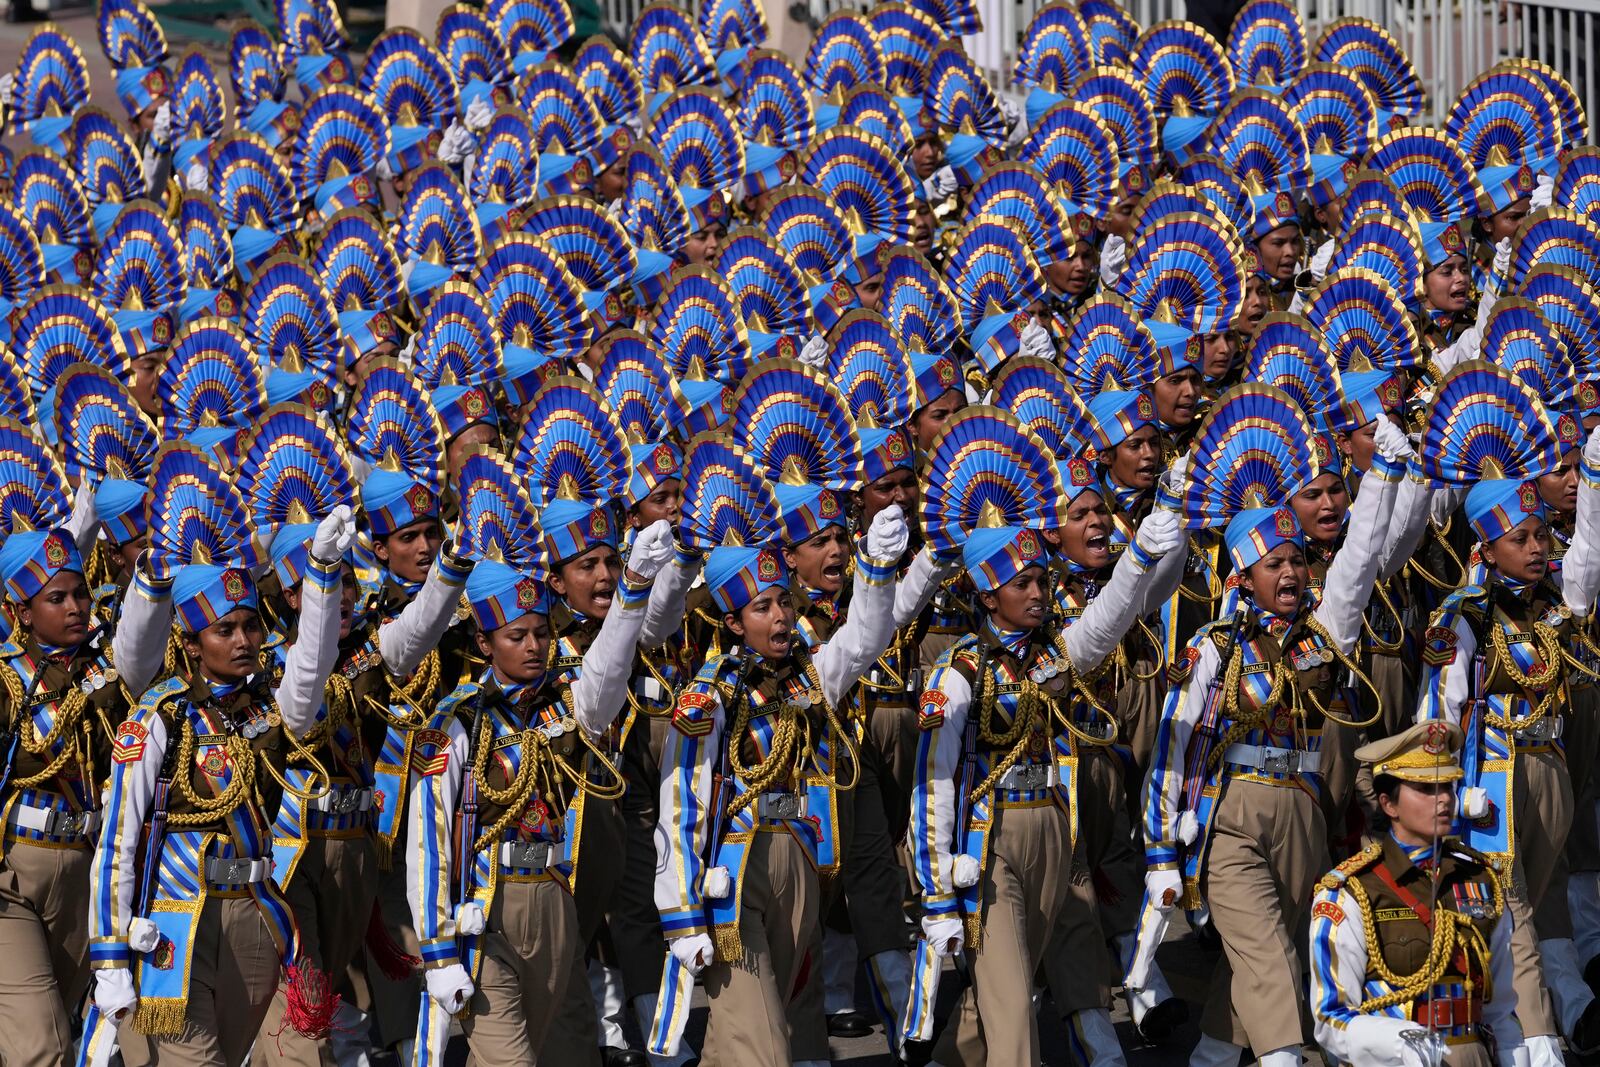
417,630
1407,523
685,813
933,800
1348,585
144,625
311,659
867,630
1446,687
84,523
1338,978
1164,788
602,685
430,850
129,795
1580,568
1103,623
664,614
922,580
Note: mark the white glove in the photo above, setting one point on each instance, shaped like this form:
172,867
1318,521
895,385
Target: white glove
1013,113
113,991
815,352
651,550
635,125
888,535
1420,1048
1474,802
1160,532
450,987
197,177
8,84
1391,441
964,871
470,920
1321,259
456,144
940,184
1158,883
1502,258
1113,260
1591,449
945,934
478,115
1178,474
384,171
143,936
161,129
334,535
1544,188
1036,342
614,209
716,883
694,951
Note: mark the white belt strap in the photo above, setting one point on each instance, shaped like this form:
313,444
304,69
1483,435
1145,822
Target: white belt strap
54,822
1265,759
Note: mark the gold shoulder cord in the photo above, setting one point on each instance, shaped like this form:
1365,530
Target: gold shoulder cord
1240,722
66,728
1381,591
791,746
1546,677
238,791
418,693
1314,625
1452,931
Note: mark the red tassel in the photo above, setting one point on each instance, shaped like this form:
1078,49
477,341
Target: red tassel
396,964
312,1003
801,977
1104,891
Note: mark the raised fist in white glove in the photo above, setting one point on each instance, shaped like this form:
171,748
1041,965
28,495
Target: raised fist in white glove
814,353
888,535
450,987
1036,342
651,550
113,991
1502,258
694,951
1160,532
334,535
161,130
1164,888
1113,260
1591,450
1321,258
945,934
8,84
143,936
1544,188
456,144
470,920
384,171
197,177
940,184
1013,113
478,114
1391,441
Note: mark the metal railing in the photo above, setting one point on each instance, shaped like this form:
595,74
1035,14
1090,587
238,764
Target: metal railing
1450,41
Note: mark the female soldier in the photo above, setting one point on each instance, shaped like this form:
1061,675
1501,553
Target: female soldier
994,811
65,684
748,784
1232,806
1494,660
188,925
494,824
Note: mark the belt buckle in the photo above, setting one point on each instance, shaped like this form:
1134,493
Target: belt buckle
236,872
1279,761
67,823
347,802
783,805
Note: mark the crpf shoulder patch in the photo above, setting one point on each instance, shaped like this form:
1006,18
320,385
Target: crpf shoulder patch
430,754
1439,646
692,714
129,743
1179,670
931,714
1327,909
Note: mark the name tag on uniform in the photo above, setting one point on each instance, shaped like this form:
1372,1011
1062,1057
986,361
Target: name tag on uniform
1391,915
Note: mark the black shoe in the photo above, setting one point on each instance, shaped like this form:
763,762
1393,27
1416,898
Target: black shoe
847,1024
916,1053
1161,1021
1585,1039
623,1057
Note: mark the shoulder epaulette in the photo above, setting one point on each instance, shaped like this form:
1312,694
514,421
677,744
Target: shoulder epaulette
1465,852
450,706
1352,866
162,692
11,649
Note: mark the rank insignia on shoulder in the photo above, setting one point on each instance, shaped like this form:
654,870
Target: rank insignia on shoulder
692,713
1327,909
1439,646
1180,669
931,714
430,754
129,743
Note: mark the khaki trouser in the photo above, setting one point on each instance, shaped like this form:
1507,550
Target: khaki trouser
1269,845
1025,899
574,1034
44,941
331,894
527,962
393,1004
1541,806
749,1023
233,973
